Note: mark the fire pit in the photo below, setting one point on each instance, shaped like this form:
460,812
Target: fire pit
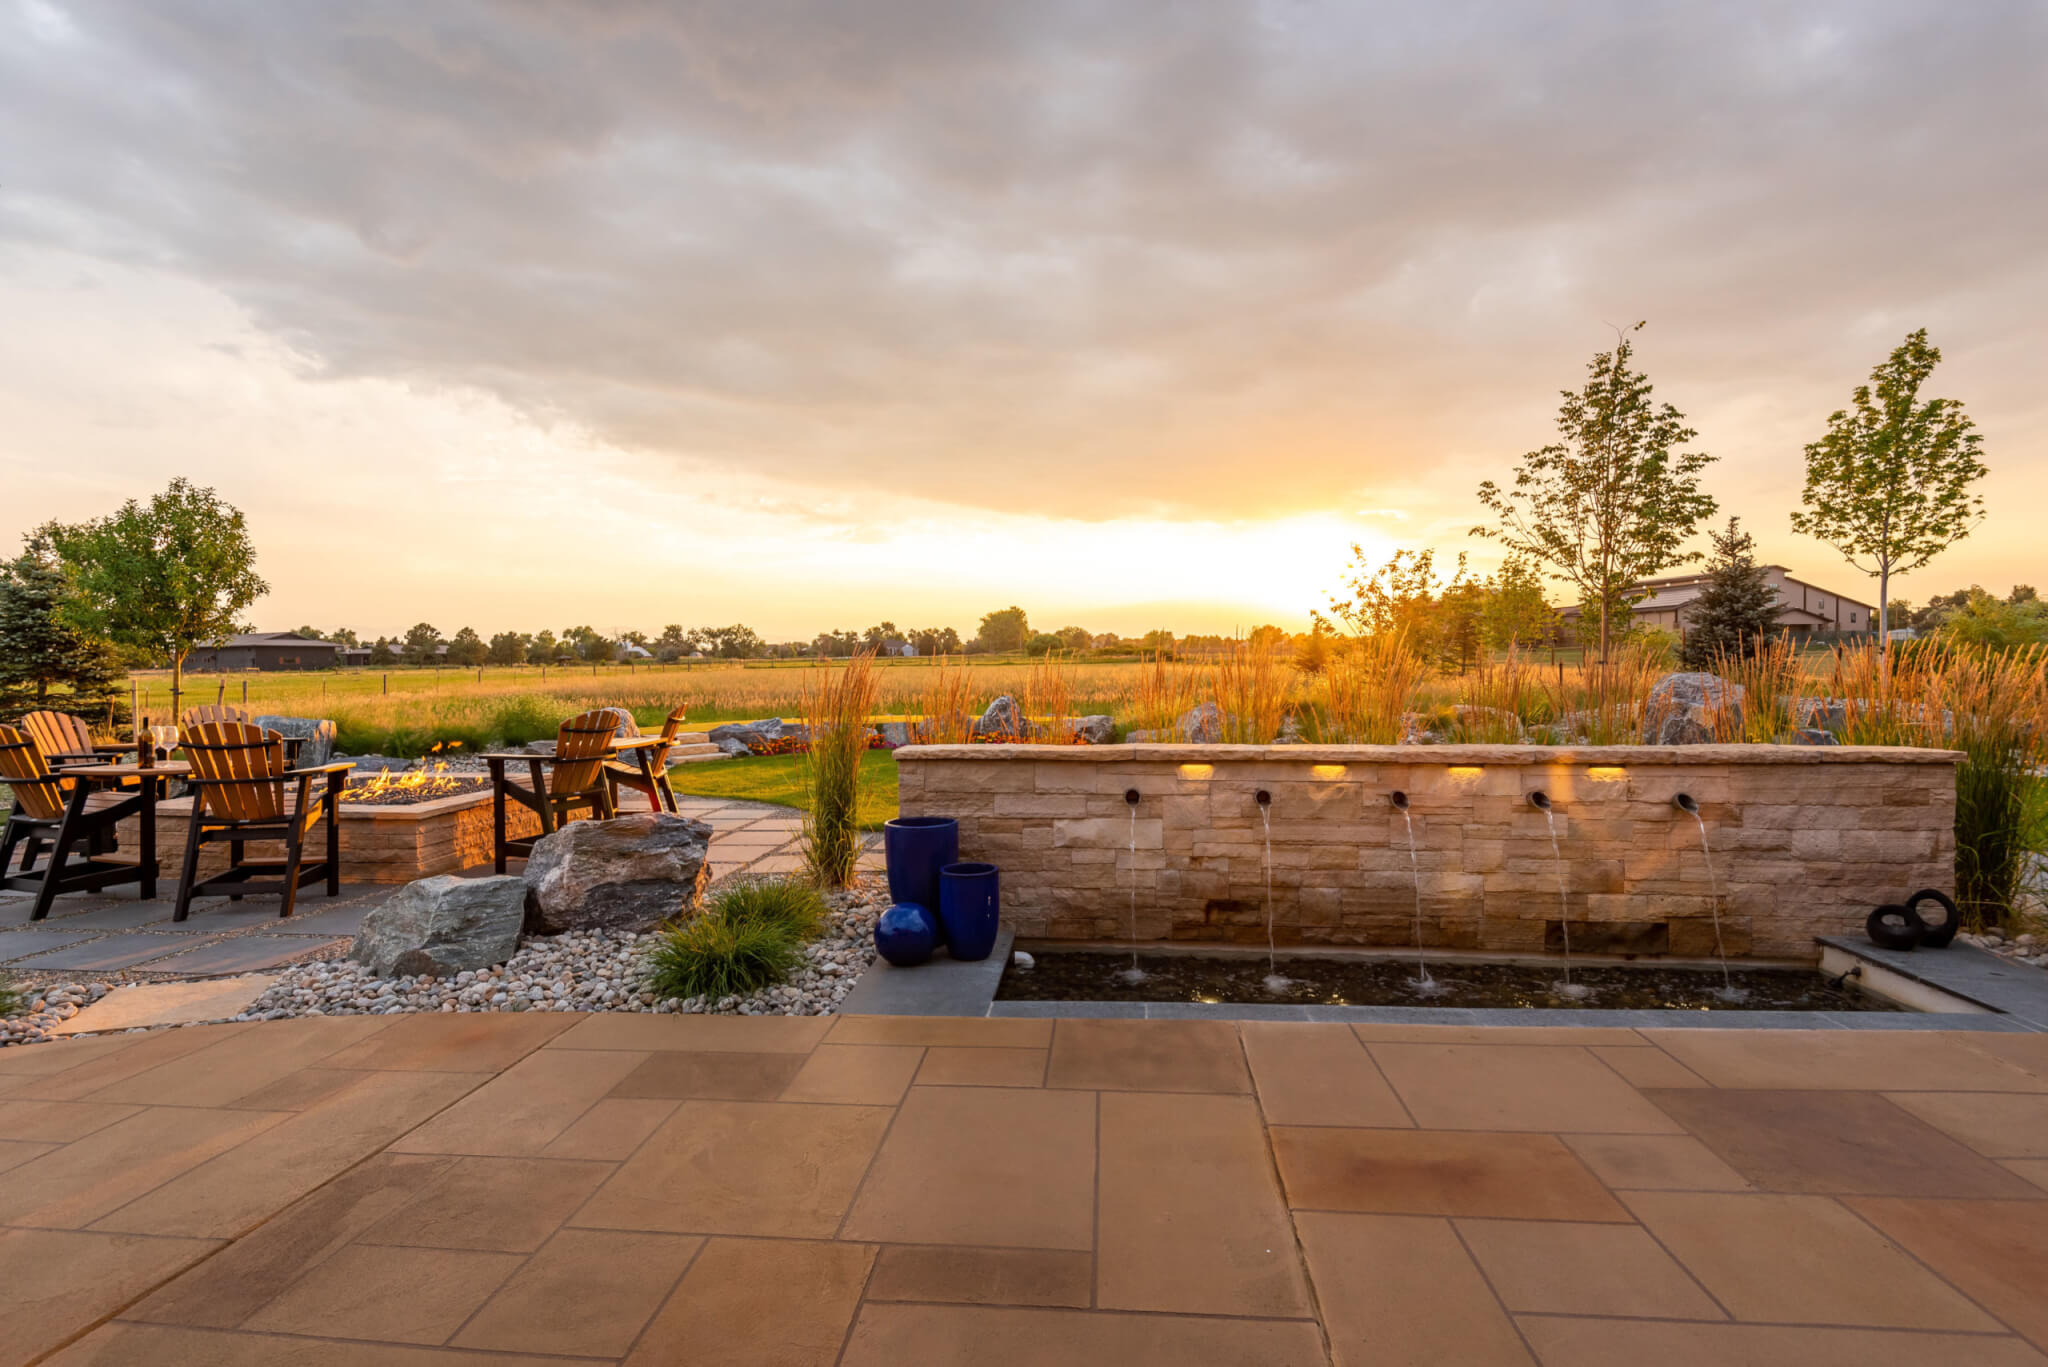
408,788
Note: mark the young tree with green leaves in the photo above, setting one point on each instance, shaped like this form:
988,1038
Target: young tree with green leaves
508,648
1515,611
167,576
1003,630
1889,485
1736,612
422,644
467,648
45,660
1611,502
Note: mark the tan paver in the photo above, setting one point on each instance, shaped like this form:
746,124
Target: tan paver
1549,1088
15,1152
1008,1167
58,1122
1997,1125
1647,1067
525,1108
719,1075
952,1066
587,1293
983,1276
1148,1056
124,1345
1575,1269
745,1034
501,1205
1800,1260
399,1295
1655,1162
856,1074
178,1003
759,1303
487,1042
1438,1172
1834,1142
57,1283
1318,1075
102,1172
960,1032
98,1069
2034,1170
743,1167
1397,1288
1850,1060
240,1064
1173,1238
611,1130
1634,1343
978,1336
1489,1035
1997,1251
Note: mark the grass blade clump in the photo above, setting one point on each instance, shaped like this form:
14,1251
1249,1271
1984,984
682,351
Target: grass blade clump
714,957
836,708
792,907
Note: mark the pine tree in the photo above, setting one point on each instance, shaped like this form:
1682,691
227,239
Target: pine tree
1737,611
45,661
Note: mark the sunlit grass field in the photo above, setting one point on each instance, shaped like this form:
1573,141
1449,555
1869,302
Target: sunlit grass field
782,779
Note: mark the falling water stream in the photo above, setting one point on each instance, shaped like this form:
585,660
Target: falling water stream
1133,974
1729,991
1424,985
1276,981
1564,923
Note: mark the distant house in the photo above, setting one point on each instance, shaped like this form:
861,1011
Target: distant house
1803,609
629,651
355,656
266,650
892,646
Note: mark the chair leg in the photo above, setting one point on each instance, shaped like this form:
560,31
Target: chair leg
294,848
8,841
188,872
668,794
333,820
235,862
497,827
67,835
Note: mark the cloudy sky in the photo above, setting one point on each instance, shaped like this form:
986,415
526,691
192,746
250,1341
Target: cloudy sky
533,312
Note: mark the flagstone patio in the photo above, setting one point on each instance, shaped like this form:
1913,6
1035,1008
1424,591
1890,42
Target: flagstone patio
516,1189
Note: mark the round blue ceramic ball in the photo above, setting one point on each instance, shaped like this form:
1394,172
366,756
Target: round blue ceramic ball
905,934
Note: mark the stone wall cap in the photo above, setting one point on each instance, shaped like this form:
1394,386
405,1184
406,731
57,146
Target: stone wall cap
1527,755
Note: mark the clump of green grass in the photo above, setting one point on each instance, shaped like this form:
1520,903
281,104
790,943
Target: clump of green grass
749,936
791,906
713,957
10,1000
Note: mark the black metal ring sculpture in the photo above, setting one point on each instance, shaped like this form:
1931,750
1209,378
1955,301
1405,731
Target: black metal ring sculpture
1892,926
1933,934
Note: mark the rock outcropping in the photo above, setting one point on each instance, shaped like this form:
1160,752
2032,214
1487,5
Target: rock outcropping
630,873
443,926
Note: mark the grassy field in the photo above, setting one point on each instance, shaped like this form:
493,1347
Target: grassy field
780,779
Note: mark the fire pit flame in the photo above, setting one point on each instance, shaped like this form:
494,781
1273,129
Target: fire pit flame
411,785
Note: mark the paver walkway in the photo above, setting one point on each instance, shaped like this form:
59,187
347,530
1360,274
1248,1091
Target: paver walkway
114,931
457,1191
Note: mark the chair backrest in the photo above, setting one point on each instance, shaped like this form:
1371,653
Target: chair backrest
248,764
669,728
58,733
580,749
210,712
23,769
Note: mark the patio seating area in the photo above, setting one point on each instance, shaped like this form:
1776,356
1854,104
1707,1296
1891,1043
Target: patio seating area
864,1191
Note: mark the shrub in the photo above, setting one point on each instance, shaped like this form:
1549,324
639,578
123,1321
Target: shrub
713,957
10,1000
796,908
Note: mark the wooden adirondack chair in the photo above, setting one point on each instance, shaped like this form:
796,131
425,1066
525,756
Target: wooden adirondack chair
60,734
658,791
243,792
570,780
209,712
61,812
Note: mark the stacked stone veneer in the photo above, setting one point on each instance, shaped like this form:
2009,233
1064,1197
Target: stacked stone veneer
379,844
1805,841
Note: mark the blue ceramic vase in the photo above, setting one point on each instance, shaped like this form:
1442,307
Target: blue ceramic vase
916,848
905,934
970,900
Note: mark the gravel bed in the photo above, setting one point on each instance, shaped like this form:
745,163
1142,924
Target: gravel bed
2023,948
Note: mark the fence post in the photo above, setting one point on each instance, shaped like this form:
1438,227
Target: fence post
245,692
387,683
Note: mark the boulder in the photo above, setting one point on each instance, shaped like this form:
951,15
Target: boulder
1095,729
631,873
1683,709
1001,718
1826,714
443,926
316,733
1809,735
755,737
627,727
896,733
1202,725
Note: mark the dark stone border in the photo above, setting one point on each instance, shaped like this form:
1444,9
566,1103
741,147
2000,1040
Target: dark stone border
2016,991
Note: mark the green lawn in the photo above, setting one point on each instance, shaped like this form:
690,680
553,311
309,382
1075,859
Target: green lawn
781,779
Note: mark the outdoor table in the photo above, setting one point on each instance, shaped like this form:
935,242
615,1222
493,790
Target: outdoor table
149,783
641,749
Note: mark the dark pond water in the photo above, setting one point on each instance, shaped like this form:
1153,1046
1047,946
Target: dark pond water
1090,975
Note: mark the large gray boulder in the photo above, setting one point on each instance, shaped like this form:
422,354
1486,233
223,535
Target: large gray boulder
1202,725
631,873
442,926
755,737
1002,718
1684,709
315,733
1096,729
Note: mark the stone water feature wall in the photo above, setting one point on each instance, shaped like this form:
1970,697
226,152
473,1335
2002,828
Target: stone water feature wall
1806,840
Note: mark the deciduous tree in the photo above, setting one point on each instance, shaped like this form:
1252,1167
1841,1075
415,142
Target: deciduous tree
1002,630
1889,485
1613,500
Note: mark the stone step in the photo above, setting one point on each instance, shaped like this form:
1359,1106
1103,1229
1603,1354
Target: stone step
694,754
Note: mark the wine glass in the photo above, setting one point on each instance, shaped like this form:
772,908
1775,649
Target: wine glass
166,738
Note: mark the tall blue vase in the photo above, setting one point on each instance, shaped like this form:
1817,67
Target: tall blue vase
916,848
970,903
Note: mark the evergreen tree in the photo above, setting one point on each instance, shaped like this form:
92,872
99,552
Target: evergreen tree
1737,611
45,661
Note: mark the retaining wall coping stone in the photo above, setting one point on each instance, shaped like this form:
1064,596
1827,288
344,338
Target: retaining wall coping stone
1646,756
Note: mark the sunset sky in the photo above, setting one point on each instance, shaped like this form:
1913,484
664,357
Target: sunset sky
533,313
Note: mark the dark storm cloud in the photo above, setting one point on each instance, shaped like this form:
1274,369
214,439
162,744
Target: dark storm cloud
1001,251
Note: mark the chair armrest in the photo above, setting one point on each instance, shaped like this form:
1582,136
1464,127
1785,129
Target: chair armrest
517,754
340,766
